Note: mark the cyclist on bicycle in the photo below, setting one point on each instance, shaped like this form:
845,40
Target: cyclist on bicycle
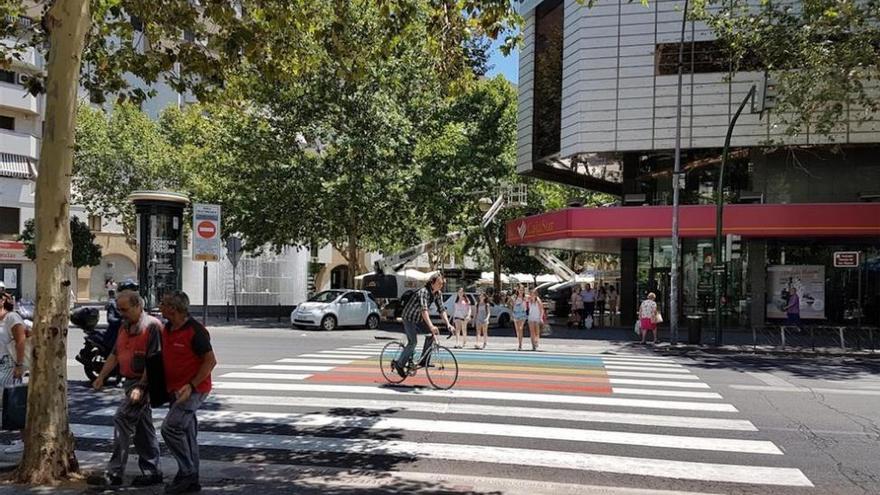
415,313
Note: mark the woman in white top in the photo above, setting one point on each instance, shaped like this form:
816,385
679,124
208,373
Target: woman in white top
483,311
648,317
13,332
461,315
536,318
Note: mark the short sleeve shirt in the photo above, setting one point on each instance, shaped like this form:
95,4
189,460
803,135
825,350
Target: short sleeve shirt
6,325
145,323
421,301
646,310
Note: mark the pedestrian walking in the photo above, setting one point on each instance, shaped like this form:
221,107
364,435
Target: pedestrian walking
138,340
588,296
601,295
577,306
612,300
461,316
648,317
188,360
537,318
483,312
520,313
13,346
793,309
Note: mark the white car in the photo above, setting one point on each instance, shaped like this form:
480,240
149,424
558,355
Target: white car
337,308
498,315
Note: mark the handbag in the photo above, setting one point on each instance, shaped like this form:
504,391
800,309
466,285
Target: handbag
657,318
15,406
156,386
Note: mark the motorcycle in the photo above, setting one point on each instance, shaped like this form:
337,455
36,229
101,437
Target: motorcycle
98,343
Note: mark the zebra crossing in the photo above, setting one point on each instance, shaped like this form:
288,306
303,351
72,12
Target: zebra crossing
640,419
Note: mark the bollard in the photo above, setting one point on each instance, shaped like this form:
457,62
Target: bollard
227,311
279,312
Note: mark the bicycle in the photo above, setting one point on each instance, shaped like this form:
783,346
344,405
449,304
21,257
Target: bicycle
439,363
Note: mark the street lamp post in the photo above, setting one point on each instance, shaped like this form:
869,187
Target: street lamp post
720,266
676,194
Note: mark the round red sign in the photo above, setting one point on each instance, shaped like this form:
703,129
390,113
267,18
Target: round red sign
207,229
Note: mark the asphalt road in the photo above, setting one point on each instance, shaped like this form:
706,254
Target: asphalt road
308,410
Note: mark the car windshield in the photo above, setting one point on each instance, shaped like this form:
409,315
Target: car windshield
325,297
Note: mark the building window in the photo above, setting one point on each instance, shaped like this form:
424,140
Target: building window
7,76
700,57
95,223
10,219
547,104
7,123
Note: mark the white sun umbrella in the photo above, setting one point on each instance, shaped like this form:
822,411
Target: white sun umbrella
547,277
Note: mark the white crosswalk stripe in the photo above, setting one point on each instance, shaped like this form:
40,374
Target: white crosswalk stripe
660,415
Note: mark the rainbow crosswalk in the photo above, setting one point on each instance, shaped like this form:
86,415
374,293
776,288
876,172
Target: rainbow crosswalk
629,416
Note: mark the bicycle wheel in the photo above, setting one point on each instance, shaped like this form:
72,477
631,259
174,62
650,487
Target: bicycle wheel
390,352
442,368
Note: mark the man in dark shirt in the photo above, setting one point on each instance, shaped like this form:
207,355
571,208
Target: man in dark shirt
188,359
138,340
416,313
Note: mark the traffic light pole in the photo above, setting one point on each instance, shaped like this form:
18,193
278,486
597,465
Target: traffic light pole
720,266
676,194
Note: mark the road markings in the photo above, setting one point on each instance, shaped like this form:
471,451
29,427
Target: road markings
586,416
657,383
478,394
619,367
286,367
265,376
335,356
480,429
314,361
642,374
666,393
698,471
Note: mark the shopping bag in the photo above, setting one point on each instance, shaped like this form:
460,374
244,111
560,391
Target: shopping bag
588,322
157,388
15,406
658,318
638,328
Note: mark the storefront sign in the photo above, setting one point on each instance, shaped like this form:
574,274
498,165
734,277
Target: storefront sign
846,259
808,280
206,232
12,251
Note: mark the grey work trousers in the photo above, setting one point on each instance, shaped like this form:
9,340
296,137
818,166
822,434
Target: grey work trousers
180,431
134,421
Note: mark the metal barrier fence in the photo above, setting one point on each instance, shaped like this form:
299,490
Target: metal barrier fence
811,337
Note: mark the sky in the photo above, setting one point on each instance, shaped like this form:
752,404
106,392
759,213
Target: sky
507,66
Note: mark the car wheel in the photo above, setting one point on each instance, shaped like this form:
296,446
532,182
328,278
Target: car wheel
329,323
503,320
373,322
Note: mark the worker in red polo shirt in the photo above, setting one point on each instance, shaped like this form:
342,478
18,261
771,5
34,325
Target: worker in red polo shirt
138,340
188,360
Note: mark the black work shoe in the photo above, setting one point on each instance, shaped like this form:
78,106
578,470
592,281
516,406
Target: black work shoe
398,369
147,480
104,479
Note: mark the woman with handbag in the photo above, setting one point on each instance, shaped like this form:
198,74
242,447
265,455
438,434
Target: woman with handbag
577,305
13,352
649,317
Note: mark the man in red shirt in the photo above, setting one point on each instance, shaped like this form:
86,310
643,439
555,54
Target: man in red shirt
138,339
188,359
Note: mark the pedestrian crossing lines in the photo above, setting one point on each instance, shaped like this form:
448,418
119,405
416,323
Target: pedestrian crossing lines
630,420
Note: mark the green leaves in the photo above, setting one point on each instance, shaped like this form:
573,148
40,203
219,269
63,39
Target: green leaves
824,54
85,251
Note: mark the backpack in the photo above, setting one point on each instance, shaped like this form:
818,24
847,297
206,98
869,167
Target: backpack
405,298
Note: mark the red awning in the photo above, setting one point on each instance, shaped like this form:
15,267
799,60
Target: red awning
558,228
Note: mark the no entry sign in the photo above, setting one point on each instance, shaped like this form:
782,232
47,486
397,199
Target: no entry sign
206,232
